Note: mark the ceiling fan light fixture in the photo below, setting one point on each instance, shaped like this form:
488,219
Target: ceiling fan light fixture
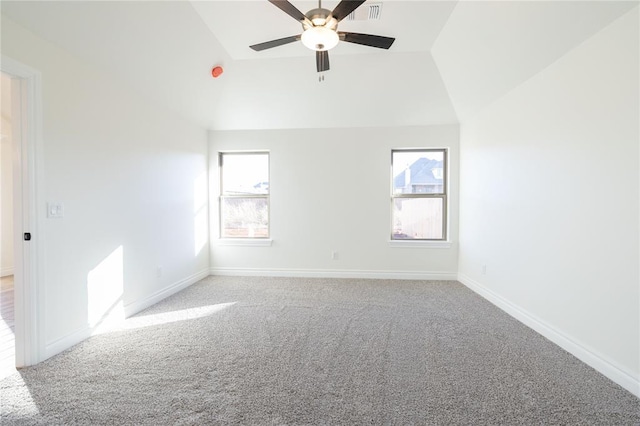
320,38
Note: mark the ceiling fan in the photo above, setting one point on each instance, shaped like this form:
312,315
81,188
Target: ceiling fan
320,30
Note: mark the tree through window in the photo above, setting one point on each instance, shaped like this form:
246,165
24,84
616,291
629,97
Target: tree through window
244,195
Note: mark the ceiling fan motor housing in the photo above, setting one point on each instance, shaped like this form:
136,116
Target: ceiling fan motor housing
320,18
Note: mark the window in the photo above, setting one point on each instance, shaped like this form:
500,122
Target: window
419,194
244,195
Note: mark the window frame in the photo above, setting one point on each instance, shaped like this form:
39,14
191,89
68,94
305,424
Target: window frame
443,196
222,197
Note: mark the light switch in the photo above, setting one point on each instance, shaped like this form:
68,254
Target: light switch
55,210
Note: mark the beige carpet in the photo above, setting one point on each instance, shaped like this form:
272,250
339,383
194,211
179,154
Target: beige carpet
271,351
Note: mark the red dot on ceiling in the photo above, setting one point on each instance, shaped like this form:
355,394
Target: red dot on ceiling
216,72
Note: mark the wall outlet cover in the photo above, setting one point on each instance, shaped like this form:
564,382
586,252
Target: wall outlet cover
55,210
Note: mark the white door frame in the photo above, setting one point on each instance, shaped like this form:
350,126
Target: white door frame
27,174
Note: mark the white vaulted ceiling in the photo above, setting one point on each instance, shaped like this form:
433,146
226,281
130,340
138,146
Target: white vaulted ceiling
488,48
449,60
421,22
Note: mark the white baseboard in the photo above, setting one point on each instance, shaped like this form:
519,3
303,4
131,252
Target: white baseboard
335,273
64,343
6,271
140,305
590,357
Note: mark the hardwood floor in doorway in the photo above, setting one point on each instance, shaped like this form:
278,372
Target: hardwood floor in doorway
7,326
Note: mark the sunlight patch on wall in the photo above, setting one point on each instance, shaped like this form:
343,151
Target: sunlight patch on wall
105,287
171,317
200,222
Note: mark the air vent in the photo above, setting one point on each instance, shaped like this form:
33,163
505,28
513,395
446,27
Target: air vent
371,12
375,10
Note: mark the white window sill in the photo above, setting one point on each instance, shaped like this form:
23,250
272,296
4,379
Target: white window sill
420,244
246,242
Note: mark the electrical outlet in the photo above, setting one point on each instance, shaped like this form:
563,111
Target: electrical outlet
159,271
334,255
484,269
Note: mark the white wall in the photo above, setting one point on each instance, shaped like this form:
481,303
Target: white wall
132,177
330,191
549,201
6,181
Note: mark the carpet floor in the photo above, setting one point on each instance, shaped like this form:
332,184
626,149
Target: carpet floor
293,351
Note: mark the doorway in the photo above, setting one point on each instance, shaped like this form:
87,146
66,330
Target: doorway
7,281
20,170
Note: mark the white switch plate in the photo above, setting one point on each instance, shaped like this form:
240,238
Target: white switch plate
55,210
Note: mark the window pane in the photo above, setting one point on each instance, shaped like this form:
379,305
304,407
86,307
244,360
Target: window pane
417,218
418,172
245,174
245,218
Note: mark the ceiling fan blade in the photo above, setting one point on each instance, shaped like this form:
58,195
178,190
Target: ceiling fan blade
345,7
367,39
289,9
322,60
274,43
